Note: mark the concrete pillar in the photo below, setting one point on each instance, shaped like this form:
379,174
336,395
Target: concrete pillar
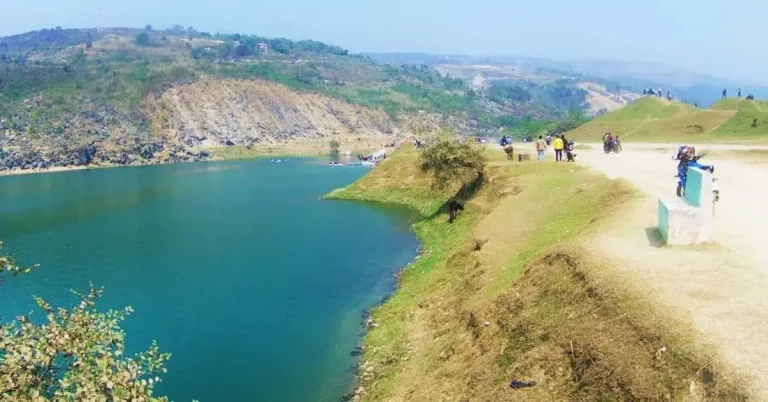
689,220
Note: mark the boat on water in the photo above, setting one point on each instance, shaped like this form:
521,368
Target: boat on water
332,163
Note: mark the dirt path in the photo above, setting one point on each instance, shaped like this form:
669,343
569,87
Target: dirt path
723,288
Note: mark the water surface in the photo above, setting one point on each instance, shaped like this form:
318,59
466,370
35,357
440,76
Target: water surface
254,284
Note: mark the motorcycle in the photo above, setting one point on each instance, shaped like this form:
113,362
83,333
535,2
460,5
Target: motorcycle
682,175
612,146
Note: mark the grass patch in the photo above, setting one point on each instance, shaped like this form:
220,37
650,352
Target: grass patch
506,293
658,120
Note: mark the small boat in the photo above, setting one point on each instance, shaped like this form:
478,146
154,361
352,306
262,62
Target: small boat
335,164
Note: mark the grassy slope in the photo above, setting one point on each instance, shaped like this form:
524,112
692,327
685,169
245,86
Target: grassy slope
741,124
652,120
512,261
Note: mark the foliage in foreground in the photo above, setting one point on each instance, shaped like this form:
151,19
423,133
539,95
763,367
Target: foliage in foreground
75,355
449,160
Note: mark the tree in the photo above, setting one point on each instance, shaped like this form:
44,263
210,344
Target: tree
148,27
334,152
142,39
76,355
450,161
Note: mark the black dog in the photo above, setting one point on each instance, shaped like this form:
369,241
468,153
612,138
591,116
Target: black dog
453,210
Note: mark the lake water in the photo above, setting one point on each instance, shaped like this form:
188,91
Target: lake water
254,284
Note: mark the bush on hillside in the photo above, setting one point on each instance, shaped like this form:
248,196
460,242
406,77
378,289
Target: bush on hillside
76,355
142,39
450,161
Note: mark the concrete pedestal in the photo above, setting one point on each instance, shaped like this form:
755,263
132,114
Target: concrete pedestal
689,220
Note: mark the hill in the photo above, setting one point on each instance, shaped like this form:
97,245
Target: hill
503,296
634,76
123,95
652,119
750,121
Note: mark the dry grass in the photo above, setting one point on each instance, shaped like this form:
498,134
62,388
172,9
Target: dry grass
750,156
507,293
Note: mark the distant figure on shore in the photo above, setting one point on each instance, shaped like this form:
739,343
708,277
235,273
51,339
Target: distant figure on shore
739,95
658,93
725,93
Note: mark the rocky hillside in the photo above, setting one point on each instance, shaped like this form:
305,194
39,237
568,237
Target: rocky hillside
132,96
216,113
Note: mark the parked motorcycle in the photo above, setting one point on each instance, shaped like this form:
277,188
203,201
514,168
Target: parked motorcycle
682,175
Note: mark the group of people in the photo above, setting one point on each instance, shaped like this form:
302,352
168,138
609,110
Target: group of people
611,143
749,97
656,92
559,143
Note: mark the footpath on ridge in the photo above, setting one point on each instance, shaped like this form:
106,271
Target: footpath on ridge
721,287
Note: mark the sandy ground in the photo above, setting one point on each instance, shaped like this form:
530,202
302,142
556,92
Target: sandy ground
721,288
48,170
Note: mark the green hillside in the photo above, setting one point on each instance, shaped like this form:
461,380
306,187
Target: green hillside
750,121
657,120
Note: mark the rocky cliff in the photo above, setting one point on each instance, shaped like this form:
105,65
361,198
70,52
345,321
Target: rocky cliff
218,113
186,122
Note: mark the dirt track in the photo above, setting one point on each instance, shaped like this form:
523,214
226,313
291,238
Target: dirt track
723,288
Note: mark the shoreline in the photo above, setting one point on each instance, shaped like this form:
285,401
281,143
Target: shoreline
218,155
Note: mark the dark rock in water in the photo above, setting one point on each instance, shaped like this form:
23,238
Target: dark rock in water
229,143
205,154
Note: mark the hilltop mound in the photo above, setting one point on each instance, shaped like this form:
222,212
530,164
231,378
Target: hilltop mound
751,119
653,119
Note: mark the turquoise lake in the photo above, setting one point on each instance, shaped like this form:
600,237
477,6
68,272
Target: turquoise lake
254,284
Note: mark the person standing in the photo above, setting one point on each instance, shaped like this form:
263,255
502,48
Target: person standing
567,149
739,95
558,145
725,93
541,147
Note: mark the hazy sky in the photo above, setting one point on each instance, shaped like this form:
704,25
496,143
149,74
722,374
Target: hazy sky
711,36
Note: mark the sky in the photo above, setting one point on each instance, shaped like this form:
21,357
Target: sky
721,38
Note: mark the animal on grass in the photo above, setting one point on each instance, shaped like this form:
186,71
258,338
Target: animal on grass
453,210
509,150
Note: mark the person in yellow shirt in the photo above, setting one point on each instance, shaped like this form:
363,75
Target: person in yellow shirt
558,145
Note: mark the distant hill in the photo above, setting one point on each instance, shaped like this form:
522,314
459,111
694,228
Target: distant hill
615,75
653,119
